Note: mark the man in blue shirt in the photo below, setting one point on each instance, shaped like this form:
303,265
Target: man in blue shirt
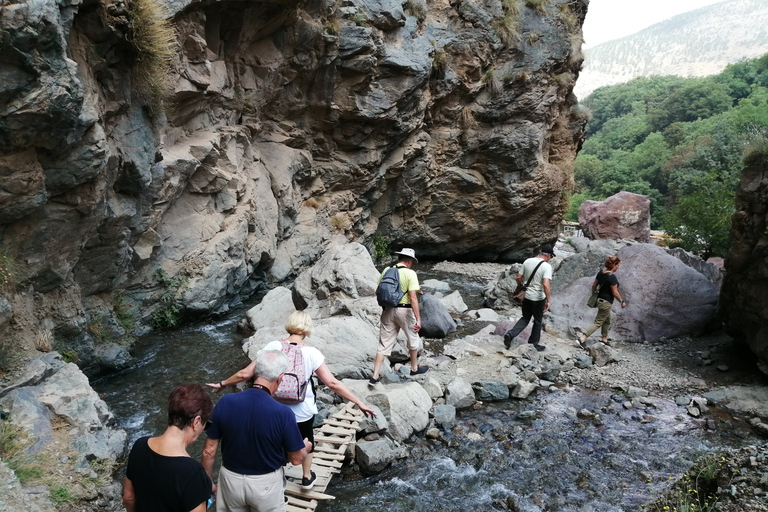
257,435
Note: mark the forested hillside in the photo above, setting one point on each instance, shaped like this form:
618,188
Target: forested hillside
680,141
696,43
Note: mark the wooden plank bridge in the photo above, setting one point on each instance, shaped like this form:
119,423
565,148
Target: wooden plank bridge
331,442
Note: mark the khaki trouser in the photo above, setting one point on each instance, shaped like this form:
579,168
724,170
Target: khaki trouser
250,493
602,320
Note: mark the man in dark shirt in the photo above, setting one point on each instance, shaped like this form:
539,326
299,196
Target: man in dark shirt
257,435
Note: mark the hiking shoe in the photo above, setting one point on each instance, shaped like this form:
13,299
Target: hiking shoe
420,370
308,483
373,381
540,348
507,340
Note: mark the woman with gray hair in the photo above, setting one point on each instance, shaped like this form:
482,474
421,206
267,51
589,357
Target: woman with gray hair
299,326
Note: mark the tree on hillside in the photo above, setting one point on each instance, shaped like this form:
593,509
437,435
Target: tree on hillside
701,222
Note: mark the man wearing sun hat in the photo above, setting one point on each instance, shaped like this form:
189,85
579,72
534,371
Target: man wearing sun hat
537,296
405,316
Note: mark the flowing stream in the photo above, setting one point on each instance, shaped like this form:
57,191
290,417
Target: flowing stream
528,455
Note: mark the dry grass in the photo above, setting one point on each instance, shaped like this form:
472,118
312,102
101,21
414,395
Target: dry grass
492,82
154,42
507,29
340,222
467,118
568,17
540,6
417,9
439,61
44,340
313,203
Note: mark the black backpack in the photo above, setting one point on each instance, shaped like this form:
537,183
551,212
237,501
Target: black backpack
389,292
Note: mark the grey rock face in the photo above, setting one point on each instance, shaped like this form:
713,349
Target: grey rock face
304,127
743,304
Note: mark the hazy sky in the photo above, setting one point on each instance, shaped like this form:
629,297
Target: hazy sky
611,19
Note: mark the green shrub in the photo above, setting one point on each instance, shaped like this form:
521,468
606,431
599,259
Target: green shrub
380,248
123,314
700,222
168,315
60,495
696,491
154,42
70,356
360,19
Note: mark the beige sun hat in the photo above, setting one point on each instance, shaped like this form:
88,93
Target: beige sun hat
407,251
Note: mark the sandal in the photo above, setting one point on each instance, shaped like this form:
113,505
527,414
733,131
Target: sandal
582,343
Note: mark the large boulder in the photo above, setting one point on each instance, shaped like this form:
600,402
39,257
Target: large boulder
665,298
744,299
344,271
52,388
436,321
406,406
623,215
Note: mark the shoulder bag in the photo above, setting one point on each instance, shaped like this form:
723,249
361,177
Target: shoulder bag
592,301
519,293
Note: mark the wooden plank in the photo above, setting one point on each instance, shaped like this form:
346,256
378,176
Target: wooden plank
296,490
331,456
346,424
342,416
333,464
295,508
332,439
328,429
298,502
329,448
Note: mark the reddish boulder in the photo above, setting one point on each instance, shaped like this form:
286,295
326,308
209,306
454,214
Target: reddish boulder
623,215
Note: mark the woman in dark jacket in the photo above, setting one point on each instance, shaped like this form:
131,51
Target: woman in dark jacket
609,289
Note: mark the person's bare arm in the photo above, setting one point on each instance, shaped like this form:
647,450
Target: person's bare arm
615,292
129,496
545,285
594,285
338,387
415,307
209,454
297,457
519,279
241,376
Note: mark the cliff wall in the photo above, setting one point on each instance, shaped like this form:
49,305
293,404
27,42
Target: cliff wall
447,126
744,295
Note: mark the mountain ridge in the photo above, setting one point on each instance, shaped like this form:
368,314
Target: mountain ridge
697,43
